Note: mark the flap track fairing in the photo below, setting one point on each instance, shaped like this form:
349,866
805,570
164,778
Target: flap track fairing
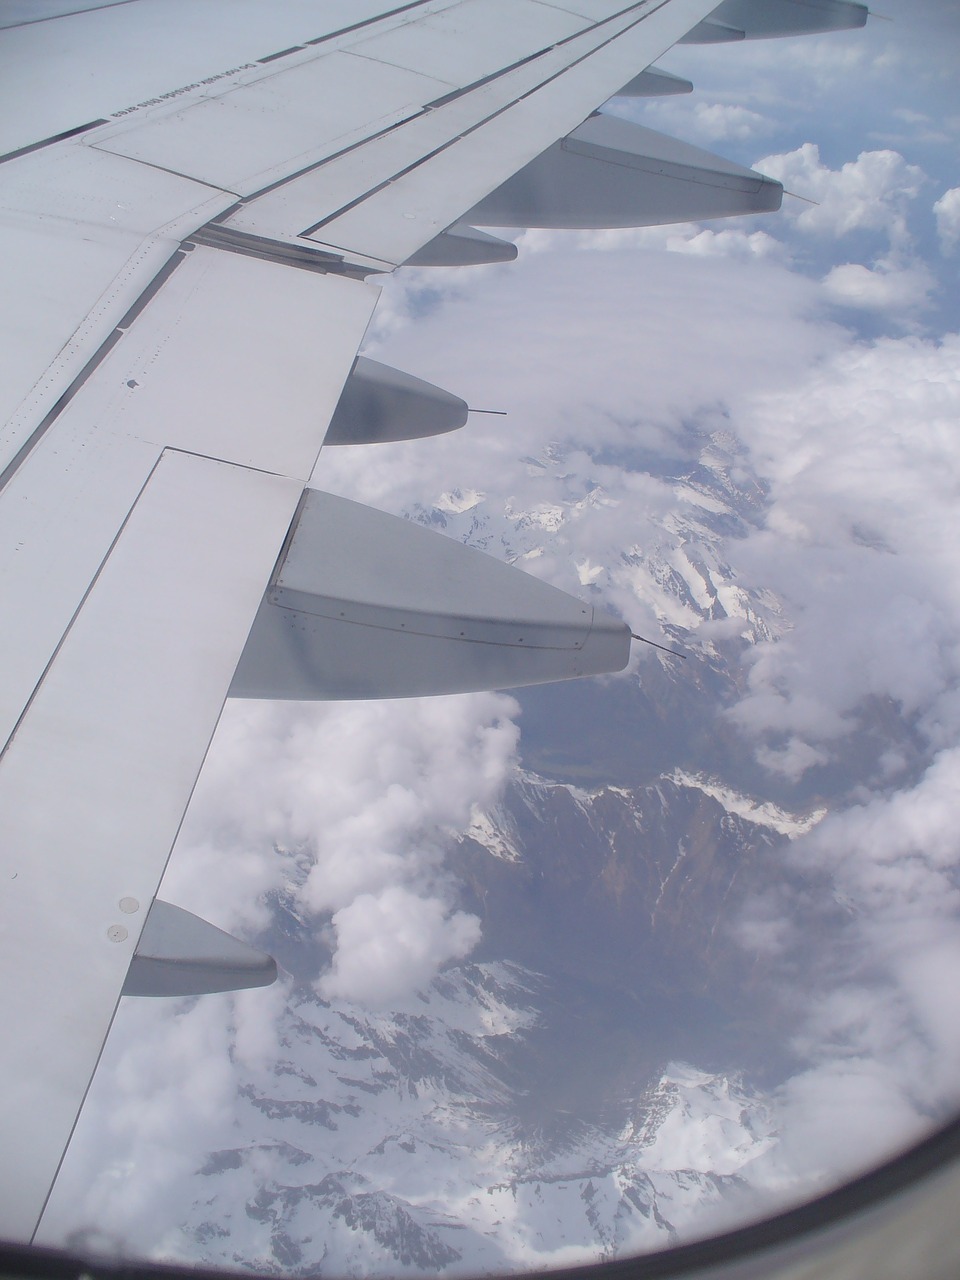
367,605
612,173
461,246
760,19
654,83
181,955
380,404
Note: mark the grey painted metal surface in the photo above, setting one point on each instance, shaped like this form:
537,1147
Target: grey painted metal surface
462,246
710,32
613,173
760,19
366,605
116,733
654,83
379,403
181,955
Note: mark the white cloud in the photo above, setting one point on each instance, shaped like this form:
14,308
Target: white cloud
873,192
743,242
698,121
360,792
880,288
391,944
859,543
947,210
881,1026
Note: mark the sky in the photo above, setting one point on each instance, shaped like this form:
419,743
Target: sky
823,344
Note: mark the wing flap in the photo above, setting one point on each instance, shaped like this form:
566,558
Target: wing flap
237,358
93,784
245,138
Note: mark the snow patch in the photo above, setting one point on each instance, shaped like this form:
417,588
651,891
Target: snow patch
762,814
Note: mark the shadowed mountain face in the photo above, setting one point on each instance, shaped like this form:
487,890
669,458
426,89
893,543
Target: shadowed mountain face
632,899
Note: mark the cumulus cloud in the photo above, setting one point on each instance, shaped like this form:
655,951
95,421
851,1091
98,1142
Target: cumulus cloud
698,121
872,193
884,287
881,1027
571,338
345,808
362,793
947,210
862,464
391,944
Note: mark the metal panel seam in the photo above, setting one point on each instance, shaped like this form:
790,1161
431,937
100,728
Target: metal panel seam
352,204
76,613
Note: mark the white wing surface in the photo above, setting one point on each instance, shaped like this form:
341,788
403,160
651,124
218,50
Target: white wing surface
196,200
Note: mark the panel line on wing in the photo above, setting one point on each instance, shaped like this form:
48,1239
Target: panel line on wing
284,53
111,340
48,142
434,104
94,577
557,44
507,106
336,155
53,413
366,22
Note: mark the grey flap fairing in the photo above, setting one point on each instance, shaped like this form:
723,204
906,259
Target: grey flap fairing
181,955
711,32
461,246
380,404
654,83
367,605
760,19
612,173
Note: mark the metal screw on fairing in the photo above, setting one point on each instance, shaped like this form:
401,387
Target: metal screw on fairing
117,933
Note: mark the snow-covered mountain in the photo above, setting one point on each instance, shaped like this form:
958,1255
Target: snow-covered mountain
399,1142
595,1080
528,1110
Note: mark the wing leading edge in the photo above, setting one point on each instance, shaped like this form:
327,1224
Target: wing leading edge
194,225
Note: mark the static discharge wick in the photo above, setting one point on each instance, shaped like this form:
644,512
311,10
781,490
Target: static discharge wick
805,199
662,647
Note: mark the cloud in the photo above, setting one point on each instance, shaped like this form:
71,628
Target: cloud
698,121
360,793
947,210
858,543
872,193
392,944
882,288
586,340
742,242
344,808
880,1025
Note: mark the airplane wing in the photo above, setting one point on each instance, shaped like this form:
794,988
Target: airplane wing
197,203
